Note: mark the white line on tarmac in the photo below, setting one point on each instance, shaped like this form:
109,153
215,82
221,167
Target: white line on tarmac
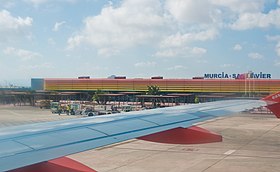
229,152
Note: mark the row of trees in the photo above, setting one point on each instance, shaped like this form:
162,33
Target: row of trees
153,90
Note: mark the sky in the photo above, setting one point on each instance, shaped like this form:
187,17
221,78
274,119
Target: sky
137,38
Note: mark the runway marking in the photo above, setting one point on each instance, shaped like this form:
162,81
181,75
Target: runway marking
229,152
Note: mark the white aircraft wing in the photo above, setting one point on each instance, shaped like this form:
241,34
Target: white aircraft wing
34,143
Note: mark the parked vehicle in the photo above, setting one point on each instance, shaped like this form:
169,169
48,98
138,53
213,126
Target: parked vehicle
55,107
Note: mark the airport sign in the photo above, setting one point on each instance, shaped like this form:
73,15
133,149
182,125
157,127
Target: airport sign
224,75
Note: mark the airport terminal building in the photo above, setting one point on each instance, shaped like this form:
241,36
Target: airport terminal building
195,85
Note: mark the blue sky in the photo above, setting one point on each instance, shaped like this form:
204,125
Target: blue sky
137,38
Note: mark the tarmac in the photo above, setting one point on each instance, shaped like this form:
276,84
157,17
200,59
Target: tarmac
19,115
251,143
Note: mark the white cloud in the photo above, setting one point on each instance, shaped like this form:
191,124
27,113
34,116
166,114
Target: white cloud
189,11
145,64
198,51
239,14
21,53
227,65
167,53
8,4
37,66
107,52
211,11
58,25
14,28
253,20
277,48
277,39
177,44
51,41
178,40
201,61
134,22
276,63
240,6
255,56
181,52
237,47
75,41
37,3
176,67
273,38
278,2
172,25
8,22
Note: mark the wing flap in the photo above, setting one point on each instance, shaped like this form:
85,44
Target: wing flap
124,126
8,148
59,138
169,118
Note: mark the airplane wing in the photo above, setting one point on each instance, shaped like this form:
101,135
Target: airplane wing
29,144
